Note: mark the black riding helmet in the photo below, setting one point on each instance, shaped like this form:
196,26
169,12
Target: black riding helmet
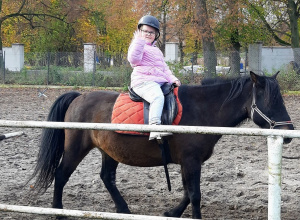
150,21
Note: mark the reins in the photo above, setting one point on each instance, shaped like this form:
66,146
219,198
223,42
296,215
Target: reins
254,107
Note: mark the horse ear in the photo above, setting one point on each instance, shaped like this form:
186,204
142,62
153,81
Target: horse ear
275,75
254,77
257,79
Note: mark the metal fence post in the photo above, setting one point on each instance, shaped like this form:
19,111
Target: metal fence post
2,64
274,165
255,57
4,72
94,68
48,67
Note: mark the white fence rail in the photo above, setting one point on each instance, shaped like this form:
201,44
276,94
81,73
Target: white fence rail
147,128
80,214
275,141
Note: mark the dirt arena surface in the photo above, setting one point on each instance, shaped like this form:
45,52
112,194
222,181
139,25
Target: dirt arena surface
234,180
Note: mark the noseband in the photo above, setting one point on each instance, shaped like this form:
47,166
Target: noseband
255,108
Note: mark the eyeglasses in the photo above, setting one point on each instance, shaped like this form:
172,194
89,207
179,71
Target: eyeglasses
148,32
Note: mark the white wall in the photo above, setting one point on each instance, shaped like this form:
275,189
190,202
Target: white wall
255,57
171,52
14,57
88,54
273,58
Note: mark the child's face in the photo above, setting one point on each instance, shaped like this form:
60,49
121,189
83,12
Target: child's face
148,33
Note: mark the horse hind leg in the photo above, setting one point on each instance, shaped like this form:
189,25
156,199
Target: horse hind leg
71,159
108,176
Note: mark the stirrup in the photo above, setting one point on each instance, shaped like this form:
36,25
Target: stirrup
154,135
158,135
163,134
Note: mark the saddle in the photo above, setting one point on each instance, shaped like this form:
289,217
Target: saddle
130,108
170,109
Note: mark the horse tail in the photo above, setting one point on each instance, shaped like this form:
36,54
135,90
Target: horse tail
51,144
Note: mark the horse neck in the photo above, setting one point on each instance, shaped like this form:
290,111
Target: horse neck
205,105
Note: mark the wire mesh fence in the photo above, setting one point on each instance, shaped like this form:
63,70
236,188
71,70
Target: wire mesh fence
61,68
102,70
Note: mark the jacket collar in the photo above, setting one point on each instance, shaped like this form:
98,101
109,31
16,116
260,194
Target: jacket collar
151,44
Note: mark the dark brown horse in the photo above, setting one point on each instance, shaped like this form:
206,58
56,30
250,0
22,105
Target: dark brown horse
222,104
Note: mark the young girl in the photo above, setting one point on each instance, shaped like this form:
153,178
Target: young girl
149,69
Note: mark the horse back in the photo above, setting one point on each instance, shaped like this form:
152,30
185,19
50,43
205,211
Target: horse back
92,107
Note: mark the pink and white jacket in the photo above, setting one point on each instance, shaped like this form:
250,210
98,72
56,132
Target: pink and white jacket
148,64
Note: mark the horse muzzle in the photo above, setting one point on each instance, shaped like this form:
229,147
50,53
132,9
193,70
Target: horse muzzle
286,126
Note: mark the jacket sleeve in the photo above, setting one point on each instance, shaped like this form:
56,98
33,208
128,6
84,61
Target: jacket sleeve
135,51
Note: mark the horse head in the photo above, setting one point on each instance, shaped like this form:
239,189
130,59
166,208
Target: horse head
267,107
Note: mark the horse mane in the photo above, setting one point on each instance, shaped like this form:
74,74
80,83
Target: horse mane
272,89
237,85
215,81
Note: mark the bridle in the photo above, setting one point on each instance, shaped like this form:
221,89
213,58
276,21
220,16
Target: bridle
255,108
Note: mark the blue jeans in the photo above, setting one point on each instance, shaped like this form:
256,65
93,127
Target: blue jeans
151,92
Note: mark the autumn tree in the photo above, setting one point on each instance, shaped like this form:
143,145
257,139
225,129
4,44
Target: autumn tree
57,25
235,28
281,21
33,13
208,44
235,45
182,28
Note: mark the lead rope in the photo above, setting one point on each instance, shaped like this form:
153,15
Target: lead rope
255,108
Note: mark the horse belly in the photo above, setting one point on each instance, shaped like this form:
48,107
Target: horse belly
129,149
96,107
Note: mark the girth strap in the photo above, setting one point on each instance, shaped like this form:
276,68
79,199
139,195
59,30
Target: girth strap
166,157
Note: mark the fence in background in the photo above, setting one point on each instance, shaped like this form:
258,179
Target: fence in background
103,70
91,67
67,68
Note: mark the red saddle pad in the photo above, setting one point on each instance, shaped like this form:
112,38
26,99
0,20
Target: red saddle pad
126,111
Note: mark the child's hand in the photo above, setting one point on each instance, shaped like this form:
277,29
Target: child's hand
138,34
177,83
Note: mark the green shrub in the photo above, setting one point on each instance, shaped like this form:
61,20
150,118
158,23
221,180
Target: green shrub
289,80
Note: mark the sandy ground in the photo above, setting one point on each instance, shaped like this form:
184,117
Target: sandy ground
234,180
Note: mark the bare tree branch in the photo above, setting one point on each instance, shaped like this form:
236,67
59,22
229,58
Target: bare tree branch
267,25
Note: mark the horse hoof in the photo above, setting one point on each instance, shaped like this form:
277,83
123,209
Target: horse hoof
61,218
167,214
124,211
170,214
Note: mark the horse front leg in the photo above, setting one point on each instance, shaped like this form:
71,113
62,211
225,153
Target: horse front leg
191,171
179,209
108,176
192,174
